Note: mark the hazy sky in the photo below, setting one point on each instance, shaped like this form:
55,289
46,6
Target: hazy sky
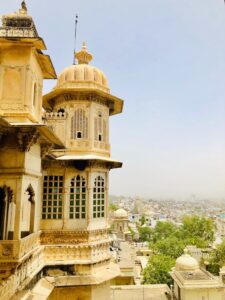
166,59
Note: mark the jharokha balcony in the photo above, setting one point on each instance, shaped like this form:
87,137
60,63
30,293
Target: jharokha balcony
15,250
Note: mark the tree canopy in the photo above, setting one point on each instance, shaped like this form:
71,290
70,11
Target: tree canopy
113,207
168,240
145,233
217,259
157,270
198,230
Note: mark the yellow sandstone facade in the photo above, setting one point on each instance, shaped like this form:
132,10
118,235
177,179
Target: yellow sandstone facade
54,171
54,179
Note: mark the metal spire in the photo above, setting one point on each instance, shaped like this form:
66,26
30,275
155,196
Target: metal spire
75,39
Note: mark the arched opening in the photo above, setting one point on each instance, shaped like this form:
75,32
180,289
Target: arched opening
31,194
6,213
28,212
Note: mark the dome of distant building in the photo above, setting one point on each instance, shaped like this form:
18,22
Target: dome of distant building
83,75
186,262
120,213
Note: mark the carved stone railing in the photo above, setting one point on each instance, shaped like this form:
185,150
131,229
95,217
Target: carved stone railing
16,249
29,243
17,32
54,115
85,254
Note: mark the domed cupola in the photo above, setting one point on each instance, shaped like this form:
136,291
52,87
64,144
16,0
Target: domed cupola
83,75
120,214
186,263
84,82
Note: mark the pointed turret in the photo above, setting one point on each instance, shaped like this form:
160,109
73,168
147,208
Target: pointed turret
23,68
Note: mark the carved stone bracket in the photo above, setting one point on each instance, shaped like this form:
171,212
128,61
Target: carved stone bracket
45,149
27,137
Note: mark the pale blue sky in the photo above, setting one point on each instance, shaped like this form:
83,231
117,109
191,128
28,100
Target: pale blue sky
166,59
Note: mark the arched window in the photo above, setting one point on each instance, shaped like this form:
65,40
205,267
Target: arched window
28,212
52,197
99,198
79,125
6,196
77,208
100,128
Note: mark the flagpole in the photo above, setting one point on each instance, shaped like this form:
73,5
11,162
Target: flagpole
75,39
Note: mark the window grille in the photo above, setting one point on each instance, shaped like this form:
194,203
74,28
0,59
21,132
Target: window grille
99,198
52,197
79,125
77,207
100,128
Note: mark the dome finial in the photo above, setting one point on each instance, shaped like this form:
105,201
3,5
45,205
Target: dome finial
23,9
185,251
83,56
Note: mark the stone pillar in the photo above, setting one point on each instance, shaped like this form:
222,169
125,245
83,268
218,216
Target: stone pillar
19,199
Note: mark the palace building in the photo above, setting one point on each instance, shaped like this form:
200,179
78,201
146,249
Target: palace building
54,181
54,171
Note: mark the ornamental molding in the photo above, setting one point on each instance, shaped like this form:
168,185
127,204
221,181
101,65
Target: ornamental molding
48,164
73,232
7,250
86,96
77,239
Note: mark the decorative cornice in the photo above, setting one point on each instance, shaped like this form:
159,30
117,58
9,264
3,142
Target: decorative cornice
70,164
84,96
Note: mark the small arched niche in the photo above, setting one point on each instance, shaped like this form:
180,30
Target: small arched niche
28,212
7,215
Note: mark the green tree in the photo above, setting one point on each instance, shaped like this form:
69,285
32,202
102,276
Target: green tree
217,259
163,230
168,241
170,246
144,233
132,232
142,220
157,270
198,230
112,207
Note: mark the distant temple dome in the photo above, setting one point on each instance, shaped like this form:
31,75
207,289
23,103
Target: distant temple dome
83,75
186,263
120,213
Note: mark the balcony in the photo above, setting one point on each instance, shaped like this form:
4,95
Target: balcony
14,250
55,115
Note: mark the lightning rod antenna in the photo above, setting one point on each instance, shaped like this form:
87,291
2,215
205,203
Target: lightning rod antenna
75,39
